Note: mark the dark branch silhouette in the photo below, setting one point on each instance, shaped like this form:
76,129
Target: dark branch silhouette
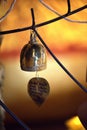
59,63
33,27
8,11
44,23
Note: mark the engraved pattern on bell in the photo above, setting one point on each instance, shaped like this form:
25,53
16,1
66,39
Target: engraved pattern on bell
33,56
38,89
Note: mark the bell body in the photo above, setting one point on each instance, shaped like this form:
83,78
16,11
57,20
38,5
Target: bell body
33,57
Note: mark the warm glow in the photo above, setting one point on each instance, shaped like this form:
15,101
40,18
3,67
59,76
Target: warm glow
67,40
59,36
74,124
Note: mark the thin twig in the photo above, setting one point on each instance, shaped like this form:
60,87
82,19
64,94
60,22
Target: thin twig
55,58
61,65
8,11
69,11
43,23
13,116
69,6
33,19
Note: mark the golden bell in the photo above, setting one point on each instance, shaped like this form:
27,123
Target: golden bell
33,55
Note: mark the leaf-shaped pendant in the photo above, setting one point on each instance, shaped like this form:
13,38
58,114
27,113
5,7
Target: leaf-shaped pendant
38,89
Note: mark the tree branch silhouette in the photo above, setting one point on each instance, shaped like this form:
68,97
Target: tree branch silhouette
54,57
8,11
68,11
33,27
44,23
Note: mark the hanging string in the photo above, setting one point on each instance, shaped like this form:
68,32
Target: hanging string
37,75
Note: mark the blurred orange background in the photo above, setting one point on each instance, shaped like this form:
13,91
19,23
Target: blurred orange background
67,40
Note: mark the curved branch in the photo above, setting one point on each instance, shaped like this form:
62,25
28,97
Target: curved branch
60,64
69,11
14,116
8,11
44,23
55,58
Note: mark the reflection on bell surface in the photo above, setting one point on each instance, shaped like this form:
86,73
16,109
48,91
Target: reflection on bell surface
33,55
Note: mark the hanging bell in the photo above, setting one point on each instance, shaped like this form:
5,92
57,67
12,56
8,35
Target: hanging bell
33,55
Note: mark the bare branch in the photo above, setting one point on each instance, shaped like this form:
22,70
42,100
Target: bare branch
61,65
14,116
8,11
44,23
33,27
33,18
69,6
69,11
55,58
